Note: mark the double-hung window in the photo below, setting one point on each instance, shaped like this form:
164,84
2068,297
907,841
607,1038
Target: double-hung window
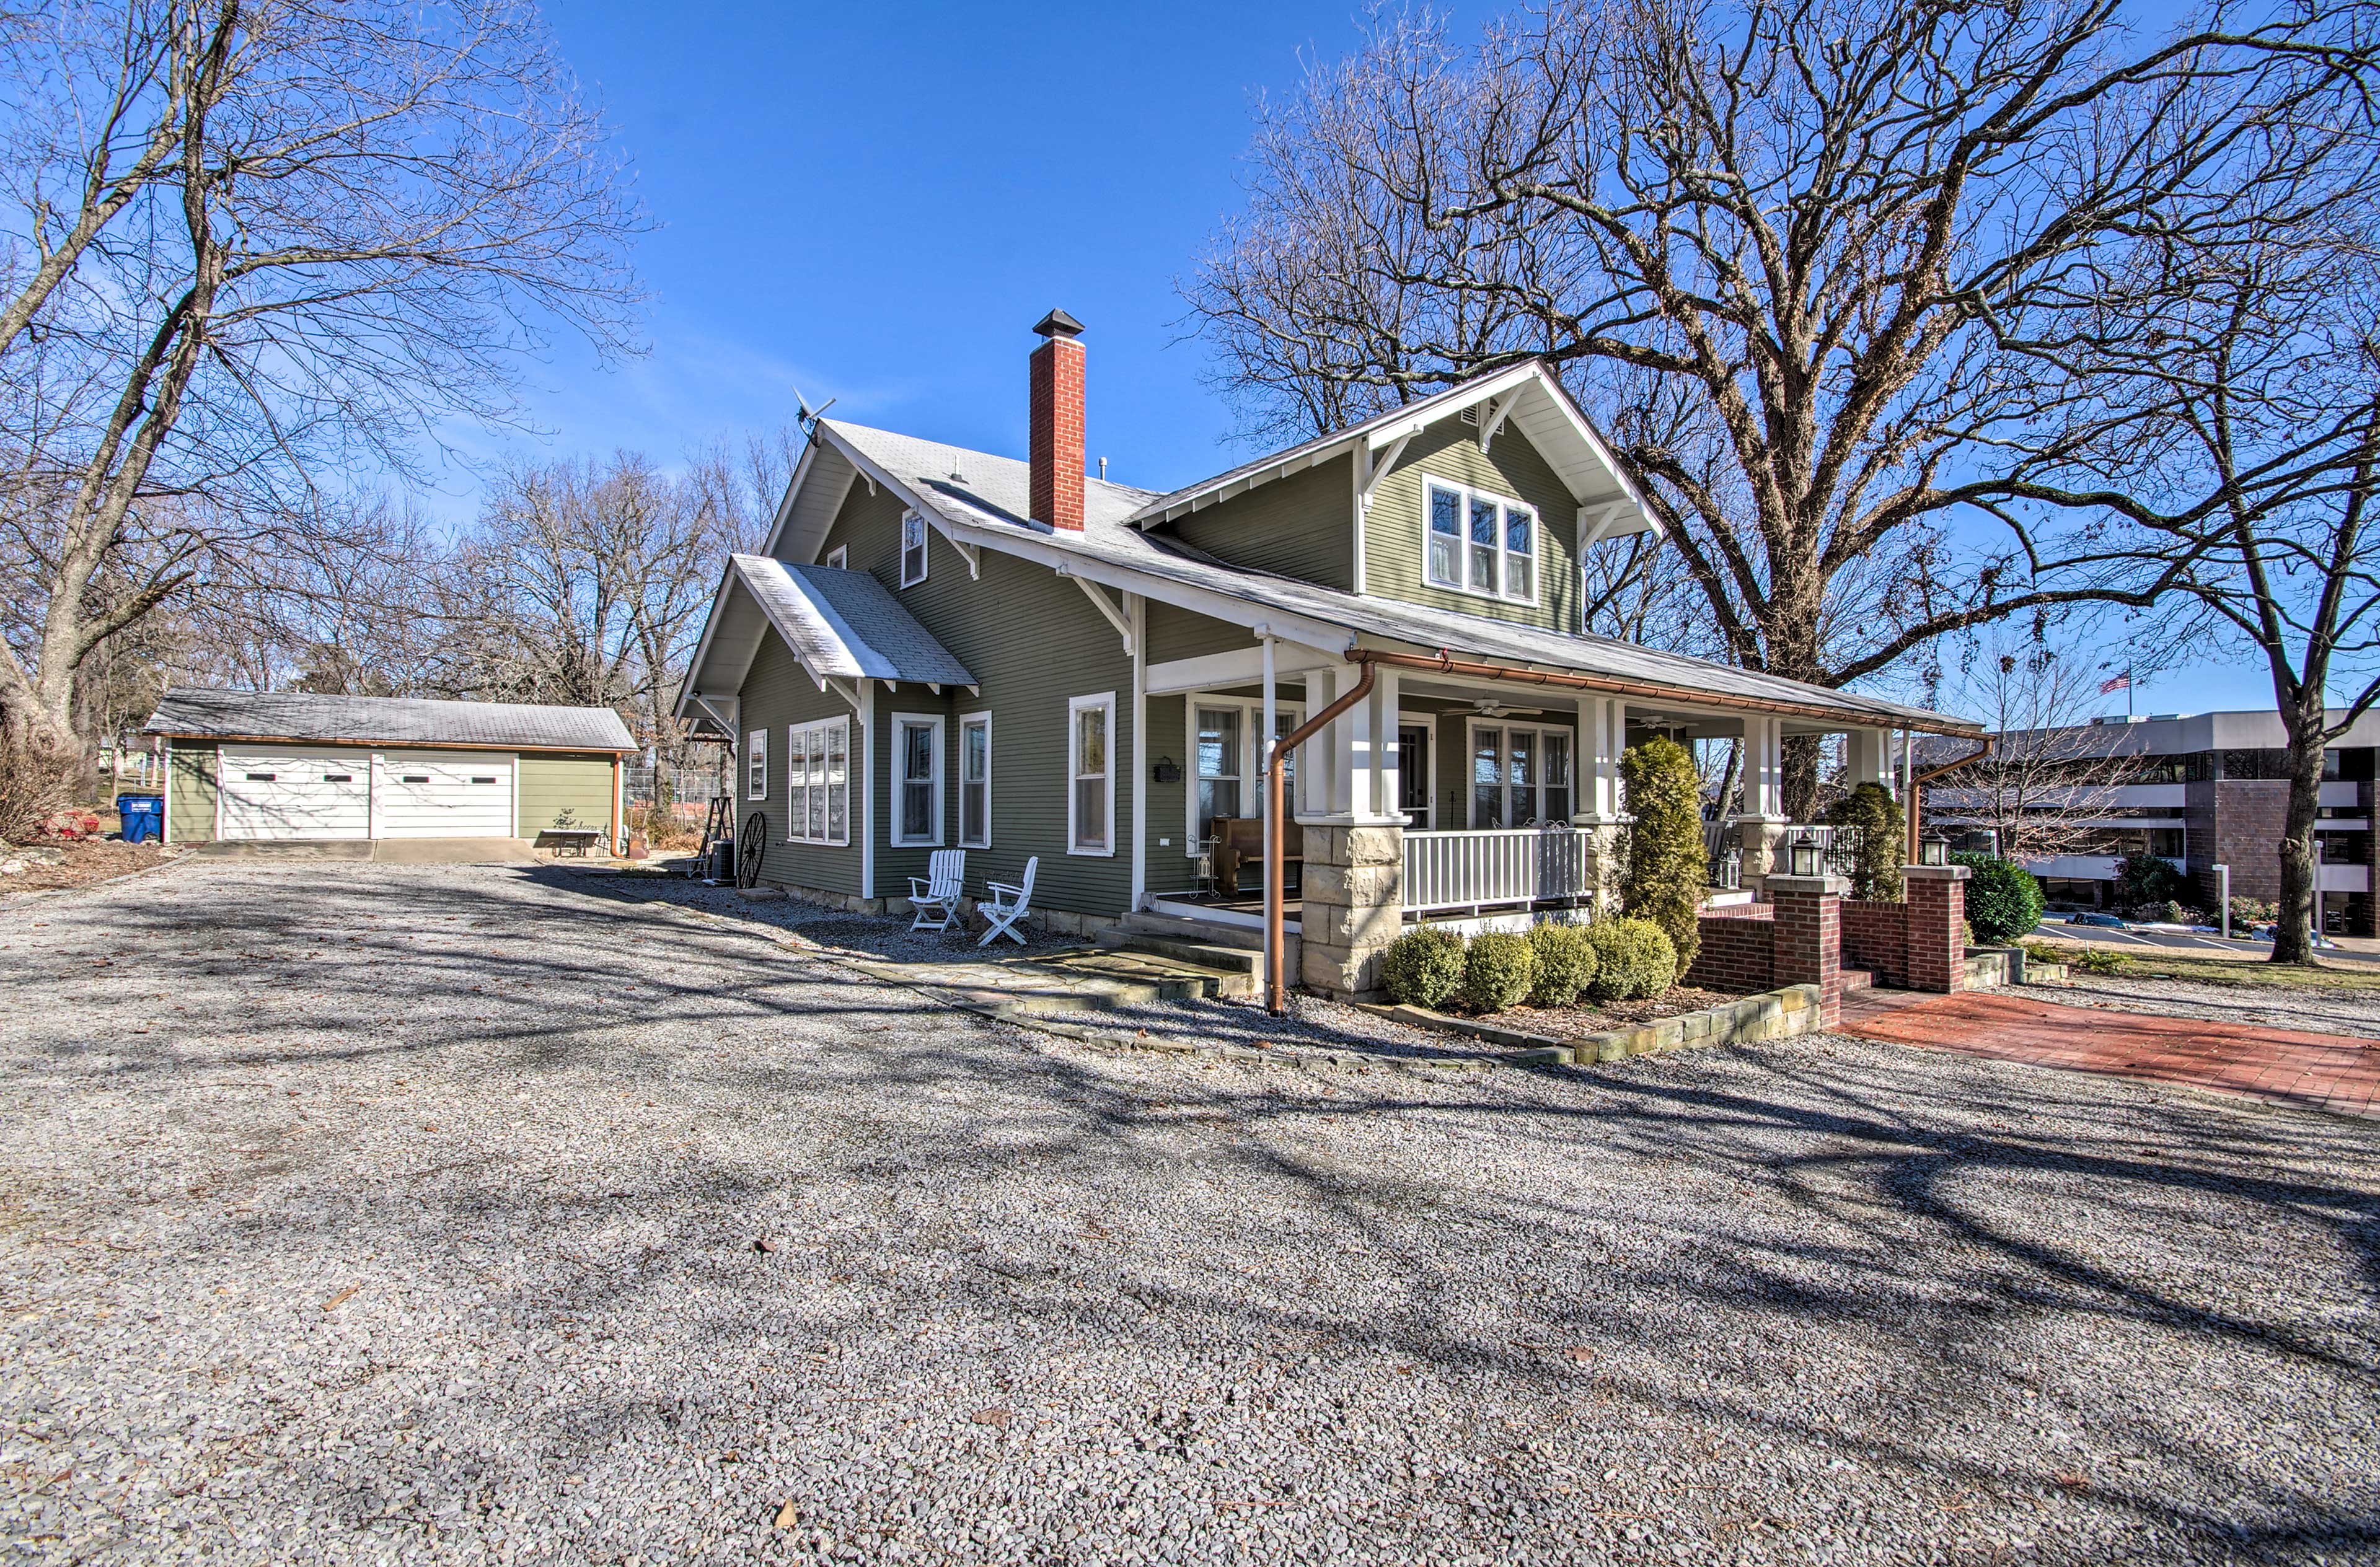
1479,543
1520,775
1227,763
917,780
974,780
912,550
1090,799
1220,758
756,764
818,781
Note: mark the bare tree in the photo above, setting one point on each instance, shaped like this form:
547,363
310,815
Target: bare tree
254,250
2051,778
1780,245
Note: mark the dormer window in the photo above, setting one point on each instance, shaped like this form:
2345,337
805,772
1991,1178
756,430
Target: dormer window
912,550
1480,543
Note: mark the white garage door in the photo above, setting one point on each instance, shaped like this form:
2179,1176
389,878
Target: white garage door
284,792
445,794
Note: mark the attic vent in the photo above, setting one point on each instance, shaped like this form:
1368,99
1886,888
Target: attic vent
1470,415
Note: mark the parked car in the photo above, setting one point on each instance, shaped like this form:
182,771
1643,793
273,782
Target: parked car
2104,921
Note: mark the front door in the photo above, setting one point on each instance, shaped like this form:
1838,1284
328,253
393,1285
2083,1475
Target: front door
1413,775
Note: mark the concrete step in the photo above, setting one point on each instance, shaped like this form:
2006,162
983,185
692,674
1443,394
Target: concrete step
1182,949
1171,977
1214,932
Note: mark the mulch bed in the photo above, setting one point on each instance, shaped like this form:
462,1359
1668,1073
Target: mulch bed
1577,1022
49,864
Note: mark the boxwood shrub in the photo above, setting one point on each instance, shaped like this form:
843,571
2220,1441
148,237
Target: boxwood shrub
1634,960
1496,970
1565,963
1423,967
2003,901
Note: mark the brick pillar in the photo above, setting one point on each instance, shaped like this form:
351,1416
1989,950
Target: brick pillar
1351,905
1937,926
1808,943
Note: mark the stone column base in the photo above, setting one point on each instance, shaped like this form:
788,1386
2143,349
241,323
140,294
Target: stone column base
1607,859
1761,838
1353,906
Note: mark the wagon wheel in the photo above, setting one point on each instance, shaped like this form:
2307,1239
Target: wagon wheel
749,843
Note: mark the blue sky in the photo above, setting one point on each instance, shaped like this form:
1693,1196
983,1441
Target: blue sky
874,203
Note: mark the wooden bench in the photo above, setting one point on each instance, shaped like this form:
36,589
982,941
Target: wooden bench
573,840
1239,840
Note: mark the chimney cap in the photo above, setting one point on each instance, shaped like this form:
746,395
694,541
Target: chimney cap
1057,323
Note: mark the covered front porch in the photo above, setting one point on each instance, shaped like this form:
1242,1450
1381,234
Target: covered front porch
1450,790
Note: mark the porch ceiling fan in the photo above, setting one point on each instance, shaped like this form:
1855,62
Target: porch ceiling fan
1488,707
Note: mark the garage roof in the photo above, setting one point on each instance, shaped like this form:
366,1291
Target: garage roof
385,720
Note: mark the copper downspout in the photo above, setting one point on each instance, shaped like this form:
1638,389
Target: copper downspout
1276,988
1917,782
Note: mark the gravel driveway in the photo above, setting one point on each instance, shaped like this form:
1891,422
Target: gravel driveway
371,1212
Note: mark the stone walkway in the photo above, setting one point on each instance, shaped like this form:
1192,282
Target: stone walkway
2320,1071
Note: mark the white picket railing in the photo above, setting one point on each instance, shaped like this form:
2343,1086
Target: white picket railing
1492,867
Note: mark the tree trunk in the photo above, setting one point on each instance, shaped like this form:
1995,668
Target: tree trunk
2293,935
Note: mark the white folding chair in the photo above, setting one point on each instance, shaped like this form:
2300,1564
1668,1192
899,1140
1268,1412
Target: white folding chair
936,898
1009,905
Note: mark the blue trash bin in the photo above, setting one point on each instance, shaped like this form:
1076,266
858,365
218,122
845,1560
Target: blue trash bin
143,816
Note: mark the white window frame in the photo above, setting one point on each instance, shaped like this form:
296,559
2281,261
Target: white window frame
1106,703
1470,762
1505,505
839,558
756,764
967,721
1252,745
932,724
812,748
925,535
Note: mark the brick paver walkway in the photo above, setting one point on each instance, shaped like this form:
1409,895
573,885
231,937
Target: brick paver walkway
2326,1071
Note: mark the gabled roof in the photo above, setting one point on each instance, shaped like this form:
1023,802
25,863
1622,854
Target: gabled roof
309,717
1527,397
842,625
980,501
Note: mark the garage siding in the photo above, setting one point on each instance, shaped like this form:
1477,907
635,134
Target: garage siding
190,792
575,786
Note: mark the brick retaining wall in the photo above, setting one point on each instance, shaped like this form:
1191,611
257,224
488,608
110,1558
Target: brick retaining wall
1739,949
1876,937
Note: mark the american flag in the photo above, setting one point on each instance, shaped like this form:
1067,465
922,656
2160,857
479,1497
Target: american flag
2116,683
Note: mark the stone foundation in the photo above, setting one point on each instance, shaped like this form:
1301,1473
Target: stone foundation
1352,906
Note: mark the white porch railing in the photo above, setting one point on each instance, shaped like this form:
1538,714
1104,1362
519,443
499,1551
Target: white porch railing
1494,865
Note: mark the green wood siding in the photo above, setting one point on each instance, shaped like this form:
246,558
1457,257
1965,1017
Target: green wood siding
564,787
776,692
1511,468
1033,642
1168,738
1299,526
190,792
1175,633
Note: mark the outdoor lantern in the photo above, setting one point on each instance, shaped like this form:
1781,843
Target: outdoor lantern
1808,859
1934,850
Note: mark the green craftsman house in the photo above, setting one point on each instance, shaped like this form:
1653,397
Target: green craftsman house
942,648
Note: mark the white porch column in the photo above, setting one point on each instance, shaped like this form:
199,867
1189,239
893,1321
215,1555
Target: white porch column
1601,814
1867,758
1760,825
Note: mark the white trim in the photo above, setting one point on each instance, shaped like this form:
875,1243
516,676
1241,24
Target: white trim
814,732
868,790
839,558
983,716
932,724
1471,749
1428,724
1241,666
756,766
1105,701
1115,617
1251,759
1136,606
1466,496
925,546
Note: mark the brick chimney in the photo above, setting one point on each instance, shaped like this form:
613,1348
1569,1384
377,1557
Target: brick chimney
1057,440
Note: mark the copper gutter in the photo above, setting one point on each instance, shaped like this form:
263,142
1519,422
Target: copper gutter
1445,663
1917,782
1276,988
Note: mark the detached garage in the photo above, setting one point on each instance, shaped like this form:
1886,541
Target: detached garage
263,767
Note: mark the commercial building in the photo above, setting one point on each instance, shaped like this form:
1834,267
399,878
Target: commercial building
2201,789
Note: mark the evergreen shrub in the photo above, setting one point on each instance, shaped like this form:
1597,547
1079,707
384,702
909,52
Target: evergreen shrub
1497,972
2003,901
1423,967
1634,960
1565,963
1875,860
1669,865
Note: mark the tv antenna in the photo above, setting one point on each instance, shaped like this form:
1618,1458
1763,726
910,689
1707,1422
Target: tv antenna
807,416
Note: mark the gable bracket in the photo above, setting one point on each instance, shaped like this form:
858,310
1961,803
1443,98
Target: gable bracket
1379,463
1591,533
1493,420
847,690
1106,606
